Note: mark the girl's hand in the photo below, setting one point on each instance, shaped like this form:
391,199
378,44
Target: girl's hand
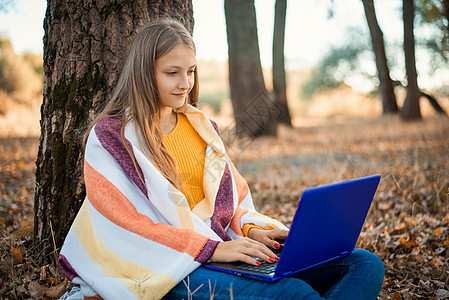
269,238
243,250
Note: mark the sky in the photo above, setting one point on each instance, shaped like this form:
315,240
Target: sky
309,31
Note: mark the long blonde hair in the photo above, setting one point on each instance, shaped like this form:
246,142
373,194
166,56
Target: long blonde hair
136,98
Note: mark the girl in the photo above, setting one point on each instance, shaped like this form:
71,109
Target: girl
163,197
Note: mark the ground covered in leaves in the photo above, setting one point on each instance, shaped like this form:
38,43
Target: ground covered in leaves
408,224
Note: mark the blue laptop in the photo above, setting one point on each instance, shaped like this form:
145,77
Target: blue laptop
326,226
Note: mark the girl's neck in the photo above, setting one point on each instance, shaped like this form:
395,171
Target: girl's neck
168,120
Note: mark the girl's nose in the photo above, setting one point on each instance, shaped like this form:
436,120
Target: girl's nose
183,83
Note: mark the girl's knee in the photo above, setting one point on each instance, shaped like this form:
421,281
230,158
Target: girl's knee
373,262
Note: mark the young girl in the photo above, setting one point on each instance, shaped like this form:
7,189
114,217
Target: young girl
163,197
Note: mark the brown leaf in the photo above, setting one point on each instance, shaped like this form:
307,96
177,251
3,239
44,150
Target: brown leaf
36,290
406,242
400,227
437,232
43,275
20,165
412,221
397,296
57,291
436,263
17,253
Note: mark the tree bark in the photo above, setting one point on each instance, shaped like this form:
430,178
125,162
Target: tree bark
411,109
85,46
254,110
279,81
386,89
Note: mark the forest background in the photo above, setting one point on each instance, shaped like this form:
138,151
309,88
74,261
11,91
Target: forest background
338,132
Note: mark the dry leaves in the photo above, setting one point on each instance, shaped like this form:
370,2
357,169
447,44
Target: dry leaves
408,224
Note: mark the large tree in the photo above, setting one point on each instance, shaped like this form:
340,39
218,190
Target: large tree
386,89
85,46
410,110
254,110
279,81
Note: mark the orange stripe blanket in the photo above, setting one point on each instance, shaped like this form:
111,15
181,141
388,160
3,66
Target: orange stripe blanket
135,236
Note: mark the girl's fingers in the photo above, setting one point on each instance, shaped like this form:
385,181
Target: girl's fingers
278,234
275,236
244,250
257,249
248,259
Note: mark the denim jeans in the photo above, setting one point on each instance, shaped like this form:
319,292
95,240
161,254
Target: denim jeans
358,275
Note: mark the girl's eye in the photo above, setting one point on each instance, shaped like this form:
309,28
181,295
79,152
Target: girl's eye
191,72
171,73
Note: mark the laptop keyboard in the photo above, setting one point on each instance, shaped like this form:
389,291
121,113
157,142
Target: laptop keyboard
265,268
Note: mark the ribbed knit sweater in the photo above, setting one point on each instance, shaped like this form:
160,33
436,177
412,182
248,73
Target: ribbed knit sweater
189,151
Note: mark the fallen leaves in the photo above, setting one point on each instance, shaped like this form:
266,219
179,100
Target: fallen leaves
408,224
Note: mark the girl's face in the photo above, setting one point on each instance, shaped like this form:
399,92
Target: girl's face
175,76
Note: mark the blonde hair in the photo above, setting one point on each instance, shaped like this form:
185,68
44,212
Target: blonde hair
135,98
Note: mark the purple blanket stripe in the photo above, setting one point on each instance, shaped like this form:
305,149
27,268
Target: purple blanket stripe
207,251
65,268
223,209
108,133
215,126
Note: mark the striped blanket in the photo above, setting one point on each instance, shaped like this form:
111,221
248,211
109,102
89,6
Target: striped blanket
135,236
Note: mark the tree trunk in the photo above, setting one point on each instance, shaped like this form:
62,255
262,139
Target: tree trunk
434,102
279,82
85,46
386,90
254,110
410,110
446,13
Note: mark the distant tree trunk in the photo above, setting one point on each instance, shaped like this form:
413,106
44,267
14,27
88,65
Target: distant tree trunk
253,107
433,101
279,82
85,46
446,13
410,110
386,89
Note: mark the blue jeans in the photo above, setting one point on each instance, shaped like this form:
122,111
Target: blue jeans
358,275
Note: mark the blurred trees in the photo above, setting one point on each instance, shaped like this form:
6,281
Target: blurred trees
345,61
386,89
85,46
279,82
334,67
20,78
411,109
254,110
434,15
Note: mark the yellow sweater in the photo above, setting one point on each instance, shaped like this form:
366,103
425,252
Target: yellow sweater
189,151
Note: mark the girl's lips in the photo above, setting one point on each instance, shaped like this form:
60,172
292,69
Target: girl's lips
182,95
